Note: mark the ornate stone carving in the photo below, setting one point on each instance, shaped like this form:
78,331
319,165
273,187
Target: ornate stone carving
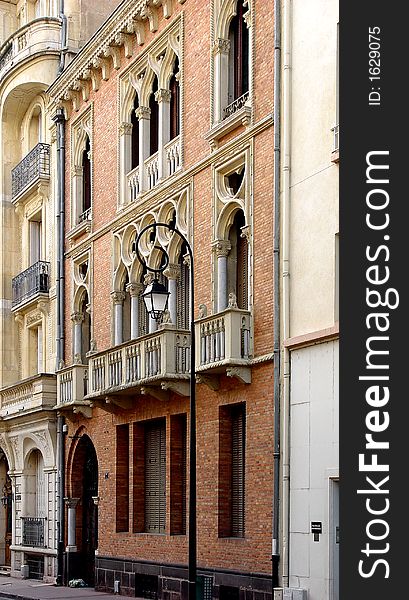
202,311
77,318
33,318
125,128
42,437
172,271
134,289
222,248
118,297
163,96
245,232
232,300
166,319
221,46
77,359
143,112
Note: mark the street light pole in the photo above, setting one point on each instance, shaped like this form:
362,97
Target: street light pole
192,533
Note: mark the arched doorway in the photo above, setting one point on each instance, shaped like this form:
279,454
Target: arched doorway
85,487
6,512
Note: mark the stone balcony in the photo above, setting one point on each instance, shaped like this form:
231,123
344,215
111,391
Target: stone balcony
37,37
154,364
72,387
223,346
31,395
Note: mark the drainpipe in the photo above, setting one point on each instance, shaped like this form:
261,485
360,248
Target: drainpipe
285,266
64,47
59,119
275,558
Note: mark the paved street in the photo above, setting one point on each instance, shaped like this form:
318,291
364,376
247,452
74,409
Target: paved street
22,589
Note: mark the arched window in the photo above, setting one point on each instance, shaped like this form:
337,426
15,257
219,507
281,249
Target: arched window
239,55
237,270
35,485
86,181
135,135
35,128
154,120
175,101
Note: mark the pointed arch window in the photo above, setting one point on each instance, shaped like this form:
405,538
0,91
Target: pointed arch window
239,55
154,120
183,291
86,181
85,329
174,101
237,270
135,135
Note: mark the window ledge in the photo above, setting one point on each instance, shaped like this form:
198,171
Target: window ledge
241,117
80,229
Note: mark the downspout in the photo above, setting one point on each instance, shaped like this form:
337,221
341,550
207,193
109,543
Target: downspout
276,274
64,47
59,119
285,266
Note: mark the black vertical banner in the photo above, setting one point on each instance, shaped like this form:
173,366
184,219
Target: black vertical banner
374,269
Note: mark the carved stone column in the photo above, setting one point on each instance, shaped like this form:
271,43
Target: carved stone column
134,290
172,272
77,318
144,115
222,249
72,515
221,49
118,298
125,160
163,97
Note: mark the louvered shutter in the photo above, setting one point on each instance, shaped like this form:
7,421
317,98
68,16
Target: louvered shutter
238,468
183,291
242,272
155,477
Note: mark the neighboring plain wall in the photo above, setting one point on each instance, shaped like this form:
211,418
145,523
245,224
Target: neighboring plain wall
314,461
8,20
85,17
314,178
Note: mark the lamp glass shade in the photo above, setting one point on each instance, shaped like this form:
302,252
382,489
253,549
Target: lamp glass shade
156,299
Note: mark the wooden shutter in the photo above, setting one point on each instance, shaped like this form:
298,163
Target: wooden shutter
86,178
135,137
183,291
122,477
238,469
242,271
155,477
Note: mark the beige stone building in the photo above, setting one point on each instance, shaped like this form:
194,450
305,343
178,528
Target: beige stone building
37,38
309,299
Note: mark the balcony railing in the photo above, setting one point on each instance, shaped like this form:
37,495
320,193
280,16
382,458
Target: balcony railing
163,354
223,339
85,216
34,280
236,105
35,166
38,36
37,392
152,170
33,532
72,384
134,184
172,154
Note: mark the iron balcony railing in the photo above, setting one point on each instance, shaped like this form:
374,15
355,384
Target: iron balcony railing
236,105
33,532
34,280
34,166
335,133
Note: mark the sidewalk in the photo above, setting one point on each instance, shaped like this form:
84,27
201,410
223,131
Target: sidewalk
31,589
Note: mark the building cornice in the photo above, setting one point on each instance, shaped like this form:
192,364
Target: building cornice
126,21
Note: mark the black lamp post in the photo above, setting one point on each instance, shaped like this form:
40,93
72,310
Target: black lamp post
156,300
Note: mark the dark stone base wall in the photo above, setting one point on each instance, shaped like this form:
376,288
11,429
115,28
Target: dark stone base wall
169,582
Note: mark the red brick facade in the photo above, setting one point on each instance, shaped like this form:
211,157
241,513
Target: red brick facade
116,430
